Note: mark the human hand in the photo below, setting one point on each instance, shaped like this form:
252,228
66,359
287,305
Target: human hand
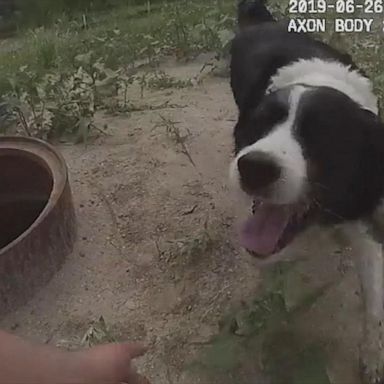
22,362
110,363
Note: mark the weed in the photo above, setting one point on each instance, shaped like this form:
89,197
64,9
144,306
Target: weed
60,105
189,250
97,333
173,132
80,45
266,327
133,30
199,245
160,80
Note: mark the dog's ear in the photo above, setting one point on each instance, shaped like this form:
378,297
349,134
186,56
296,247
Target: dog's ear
252,12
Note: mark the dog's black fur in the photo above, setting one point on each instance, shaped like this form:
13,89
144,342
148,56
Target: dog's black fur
343,144
263,46
308,124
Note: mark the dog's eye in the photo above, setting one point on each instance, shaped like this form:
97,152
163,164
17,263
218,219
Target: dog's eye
259,122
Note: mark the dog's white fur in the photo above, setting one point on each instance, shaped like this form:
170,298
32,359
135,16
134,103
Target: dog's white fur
369,263
317,72
368,251
281,145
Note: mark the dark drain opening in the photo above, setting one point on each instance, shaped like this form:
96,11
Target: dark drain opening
25,188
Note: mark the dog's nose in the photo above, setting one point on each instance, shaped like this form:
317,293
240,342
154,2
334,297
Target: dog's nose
257,171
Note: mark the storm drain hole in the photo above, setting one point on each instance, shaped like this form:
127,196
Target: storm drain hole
25,188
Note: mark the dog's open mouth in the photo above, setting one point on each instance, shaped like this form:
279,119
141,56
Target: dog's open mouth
271,227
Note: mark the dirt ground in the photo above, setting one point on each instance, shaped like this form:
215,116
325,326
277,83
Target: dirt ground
156,254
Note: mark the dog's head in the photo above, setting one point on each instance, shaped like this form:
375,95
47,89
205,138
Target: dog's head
306,155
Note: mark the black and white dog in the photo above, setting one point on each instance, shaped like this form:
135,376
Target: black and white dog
309,150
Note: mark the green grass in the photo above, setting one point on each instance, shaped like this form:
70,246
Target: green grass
34,13
119,36
263,336
124,33
115,40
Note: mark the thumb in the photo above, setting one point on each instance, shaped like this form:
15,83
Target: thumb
134,350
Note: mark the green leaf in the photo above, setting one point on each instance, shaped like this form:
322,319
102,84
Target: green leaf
379,79
286,359
224,355
311,367
279,356
225,36
98,333
84,58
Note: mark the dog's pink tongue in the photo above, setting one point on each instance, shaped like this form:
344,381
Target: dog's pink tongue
263,230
